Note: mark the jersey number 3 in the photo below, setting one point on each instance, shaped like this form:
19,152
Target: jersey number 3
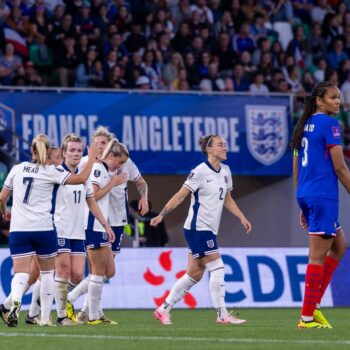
305,145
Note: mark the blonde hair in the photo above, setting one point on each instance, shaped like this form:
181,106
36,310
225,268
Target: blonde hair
103,131
69,138
116,149
40,147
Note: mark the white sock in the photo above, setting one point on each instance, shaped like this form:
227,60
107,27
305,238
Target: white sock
19,284
46,294
105,279
79,290
85,307
217,286
34,309
71,286
178,291
94,293
61,286
8,301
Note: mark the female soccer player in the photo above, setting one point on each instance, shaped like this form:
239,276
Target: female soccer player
69,222
318,163
98,247
210,184
117,218
33,186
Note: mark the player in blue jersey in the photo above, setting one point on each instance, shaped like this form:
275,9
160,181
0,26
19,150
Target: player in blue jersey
318,164
33,186
210,185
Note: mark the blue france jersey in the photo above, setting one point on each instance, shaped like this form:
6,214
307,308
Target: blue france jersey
209,188
316,174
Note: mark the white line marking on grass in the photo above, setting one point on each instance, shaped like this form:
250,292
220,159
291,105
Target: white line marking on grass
189,339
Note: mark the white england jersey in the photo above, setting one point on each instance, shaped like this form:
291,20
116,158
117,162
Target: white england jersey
209,188
118,196
70,208
100,177
34,193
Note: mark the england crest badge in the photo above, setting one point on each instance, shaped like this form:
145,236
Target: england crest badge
267,132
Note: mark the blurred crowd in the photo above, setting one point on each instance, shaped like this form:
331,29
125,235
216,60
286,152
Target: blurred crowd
208,45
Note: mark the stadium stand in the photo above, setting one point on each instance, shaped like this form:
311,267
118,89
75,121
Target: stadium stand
206,45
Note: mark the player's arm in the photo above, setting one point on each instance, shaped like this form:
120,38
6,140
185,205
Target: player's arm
232,207
76,179
142,189
173,203
97,213
4,195
115,180
339,166
295,167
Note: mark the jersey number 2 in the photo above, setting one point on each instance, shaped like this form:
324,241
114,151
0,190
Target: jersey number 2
305,145
30,182
221,190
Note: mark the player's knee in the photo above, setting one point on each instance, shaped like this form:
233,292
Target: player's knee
76,277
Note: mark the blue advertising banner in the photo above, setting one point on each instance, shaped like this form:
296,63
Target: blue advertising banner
161,130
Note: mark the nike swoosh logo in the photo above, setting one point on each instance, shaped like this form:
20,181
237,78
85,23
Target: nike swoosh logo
209,180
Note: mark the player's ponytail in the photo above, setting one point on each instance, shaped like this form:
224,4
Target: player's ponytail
116,149
40,147
310,108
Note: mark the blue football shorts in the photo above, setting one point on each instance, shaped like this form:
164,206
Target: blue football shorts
321,214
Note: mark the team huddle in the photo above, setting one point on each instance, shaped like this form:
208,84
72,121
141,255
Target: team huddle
65,209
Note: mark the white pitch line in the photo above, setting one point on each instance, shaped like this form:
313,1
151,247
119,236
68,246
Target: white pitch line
189,339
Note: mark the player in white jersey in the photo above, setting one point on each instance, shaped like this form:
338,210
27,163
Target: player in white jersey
33,186
97,245
69,222
101,137
118,202
210,184
53,158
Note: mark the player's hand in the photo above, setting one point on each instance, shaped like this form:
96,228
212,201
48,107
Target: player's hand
246,224
118,179
110,233
156,220
302,221
143,206
93,150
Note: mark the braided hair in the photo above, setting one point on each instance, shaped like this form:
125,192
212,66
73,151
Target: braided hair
310,108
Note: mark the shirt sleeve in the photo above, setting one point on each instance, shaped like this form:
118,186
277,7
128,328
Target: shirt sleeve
96,175
89,188
9,179
58,175
133,170
229,184
332,132
193,181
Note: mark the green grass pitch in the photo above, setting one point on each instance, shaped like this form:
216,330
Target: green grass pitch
192,329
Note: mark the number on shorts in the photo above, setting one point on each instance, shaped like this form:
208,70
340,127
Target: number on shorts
305,144
30,182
